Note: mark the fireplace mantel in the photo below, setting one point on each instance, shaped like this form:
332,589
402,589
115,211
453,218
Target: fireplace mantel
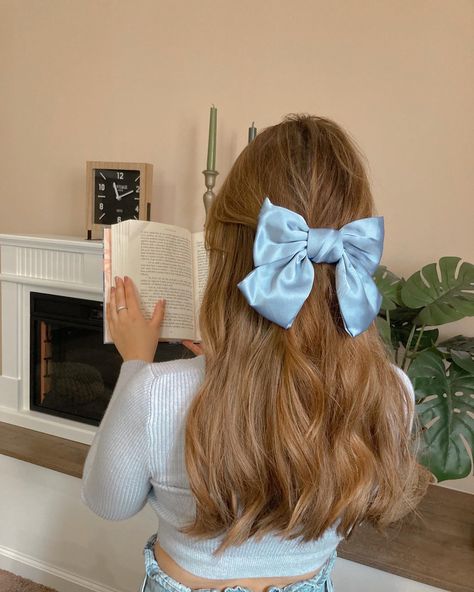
59,265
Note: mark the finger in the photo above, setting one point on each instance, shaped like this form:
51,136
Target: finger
131,298
120,295
196,348
158,313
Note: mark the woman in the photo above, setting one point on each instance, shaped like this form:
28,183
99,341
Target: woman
290,426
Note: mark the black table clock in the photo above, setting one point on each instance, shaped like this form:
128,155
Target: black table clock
116,191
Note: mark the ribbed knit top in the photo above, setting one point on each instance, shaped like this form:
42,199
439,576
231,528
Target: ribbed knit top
137,456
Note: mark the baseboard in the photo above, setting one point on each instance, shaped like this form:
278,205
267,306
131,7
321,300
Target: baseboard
48,574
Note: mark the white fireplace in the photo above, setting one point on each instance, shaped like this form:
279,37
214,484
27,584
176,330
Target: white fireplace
62,266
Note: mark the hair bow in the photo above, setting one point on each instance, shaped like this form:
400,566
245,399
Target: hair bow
283,277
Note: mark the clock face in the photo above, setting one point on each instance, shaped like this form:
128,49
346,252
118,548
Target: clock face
116,195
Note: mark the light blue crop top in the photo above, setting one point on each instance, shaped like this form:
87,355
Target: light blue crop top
137,456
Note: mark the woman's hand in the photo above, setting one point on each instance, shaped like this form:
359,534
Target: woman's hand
196,348
134,336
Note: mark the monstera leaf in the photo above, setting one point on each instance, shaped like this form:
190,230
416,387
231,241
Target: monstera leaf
404,315
389,286
458,343
463,360
445,406
441,299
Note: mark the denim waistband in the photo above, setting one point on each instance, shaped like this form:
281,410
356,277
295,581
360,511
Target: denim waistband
321,582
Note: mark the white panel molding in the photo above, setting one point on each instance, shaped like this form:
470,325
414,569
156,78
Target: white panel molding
43,285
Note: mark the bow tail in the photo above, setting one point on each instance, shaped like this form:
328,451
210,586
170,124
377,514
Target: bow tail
358,296
278,290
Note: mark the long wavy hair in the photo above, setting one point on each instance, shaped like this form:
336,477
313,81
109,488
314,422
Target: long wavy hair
293,430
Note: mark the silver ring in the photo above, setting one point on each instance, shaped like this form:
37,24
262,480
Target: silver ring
119,308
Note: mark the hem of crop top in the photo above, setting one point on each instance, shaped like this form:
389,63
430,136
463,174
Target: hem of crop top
204,565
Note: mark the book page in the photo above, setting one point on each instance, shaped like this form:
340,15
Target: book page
200,273
163,267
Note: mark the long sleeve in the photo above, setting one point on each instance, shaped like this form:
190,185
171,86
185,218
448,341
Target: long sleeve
116,477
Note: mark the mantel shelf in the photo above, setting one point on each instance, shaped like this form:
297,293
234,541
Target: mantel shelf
435,547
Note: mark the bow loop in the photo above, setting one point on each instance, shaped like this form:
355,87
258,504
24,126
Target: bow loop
280,234
284,251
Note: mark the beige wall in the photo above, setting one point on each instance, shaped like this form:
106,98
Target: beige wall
133,81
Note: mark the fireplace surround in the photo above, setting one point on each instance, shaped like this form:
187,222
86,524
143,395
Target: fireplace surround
56,375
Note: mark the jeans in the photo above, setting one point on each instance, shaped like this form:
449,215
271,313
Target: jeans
156,580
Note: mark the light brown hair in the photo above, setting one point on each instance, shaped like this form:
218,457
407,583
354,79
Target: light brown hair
293,429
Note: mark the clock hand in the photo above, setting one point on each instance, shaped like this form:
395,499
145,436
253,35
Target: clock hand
128,193
116,192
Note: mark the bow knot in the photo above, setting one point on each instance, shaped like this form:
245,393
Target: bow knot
324,245
284,251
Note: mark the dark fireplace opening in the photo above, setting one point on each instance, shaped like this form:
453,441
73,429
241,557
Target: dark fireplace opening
72,371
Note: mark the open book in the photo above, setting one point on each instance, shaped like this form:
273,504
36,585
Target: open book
164,261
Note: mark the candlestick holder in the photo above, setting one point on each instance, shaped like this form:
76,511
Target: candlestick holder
209,181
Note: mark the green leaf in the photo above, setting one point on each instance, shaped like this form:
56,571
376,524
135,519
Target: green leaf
389,286
445,407
404,315
442,299
458,343
384,331
463,360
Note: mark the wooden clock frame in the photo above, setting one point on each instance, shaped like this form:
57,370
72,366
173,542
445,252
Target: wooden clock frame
95,231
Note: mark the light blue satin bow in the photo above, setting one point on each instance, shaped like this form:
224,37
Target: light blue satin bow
283,277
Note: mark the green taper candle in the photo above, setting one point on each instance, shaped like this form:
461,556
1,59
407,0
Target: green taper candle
252,132
211,147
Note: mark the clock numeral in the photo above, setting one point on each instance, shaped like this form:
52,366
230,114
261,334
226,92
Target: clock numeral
119,218
137,189
101,186
101,205
119,175
136,209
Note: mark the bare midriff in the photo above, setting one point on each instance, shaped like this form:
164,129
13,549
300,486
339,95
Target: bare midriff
170,567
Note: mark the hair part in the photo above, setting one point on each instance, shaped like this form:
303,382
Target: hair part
296,430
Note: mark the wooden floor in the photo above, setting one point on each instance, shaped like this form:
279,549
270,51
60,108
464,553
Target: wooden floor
436,547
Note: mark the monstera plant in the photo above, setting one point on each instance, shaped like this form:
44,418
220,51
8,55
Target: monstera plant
442,373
